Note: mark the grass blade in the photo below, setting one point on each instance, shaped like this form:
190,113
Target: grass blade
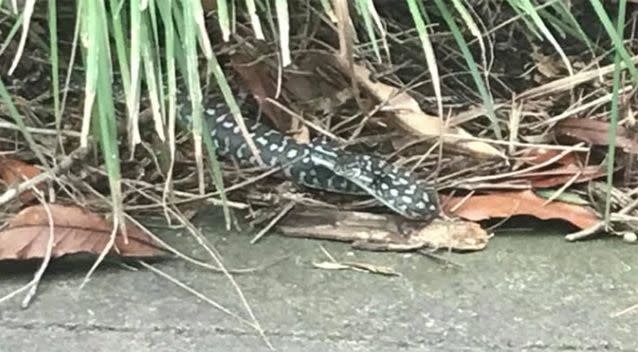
613,115
467,55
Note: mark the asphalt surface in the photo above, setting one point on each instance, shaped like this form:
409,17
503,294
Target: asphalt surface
528,291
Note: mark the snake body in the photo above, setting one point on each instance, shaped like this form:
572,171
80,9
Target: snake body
321,165
318,165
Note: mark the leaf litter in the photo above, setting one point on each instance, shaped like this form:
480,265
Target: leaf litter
76,230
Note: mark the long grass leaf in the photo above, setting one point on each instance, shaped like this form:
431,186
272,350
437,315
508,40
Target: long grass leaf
364,12
615,37
27,12
538,21
53,58
12,33
283,24
428,51
133,97
169,56
223,19
254,19
613,115
469,59
13,112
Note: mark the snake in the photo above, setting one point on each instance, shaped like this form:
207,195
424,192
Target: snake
320,165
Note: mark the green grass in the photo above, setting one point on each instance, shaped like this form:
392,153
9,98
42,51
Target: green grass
168,39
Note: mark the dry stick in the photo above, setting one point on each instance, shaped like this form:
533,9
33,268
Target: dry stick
182,255
207,195
584,233
274,221
199,295
624,311
47,256
62,166
42,131
196,293
216,257
103,254
518,172
571,81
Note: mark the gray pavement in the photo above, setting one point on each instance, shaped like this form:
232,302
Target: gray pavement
529,291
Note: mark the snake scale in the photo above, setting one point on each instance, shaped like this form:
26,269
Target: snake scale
320,165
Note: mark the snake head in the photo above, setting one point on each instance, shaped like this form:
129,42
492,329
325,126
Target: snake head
395,187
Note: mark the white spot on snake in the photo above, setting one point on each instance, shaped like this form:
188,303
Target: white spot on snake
426,198
236,129
403,181
273,147
407,199
420,205
384,186
273,161
410,190
283,145
221,118
263,141
240,151
313,172
305,160
227,124
211,112
302,175
432,207
291,153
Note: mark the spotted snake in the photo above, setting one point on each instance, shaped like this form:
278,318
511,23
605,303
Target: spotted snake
321,165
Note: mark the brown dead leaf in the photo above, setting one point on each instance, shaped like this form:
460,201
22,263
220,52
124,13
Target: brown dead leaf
75,231
258,78
595,132
410,117
506,204
563,174
560,171
13,172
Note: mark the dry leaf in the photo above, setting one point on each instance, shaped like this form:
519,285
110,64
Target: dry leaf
13,172
75,231
258,78
563,174
506,204
569,165
409,115
595,132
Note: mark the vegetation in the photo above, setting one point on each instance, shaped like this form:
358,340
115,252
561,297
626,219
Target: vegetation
511,107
